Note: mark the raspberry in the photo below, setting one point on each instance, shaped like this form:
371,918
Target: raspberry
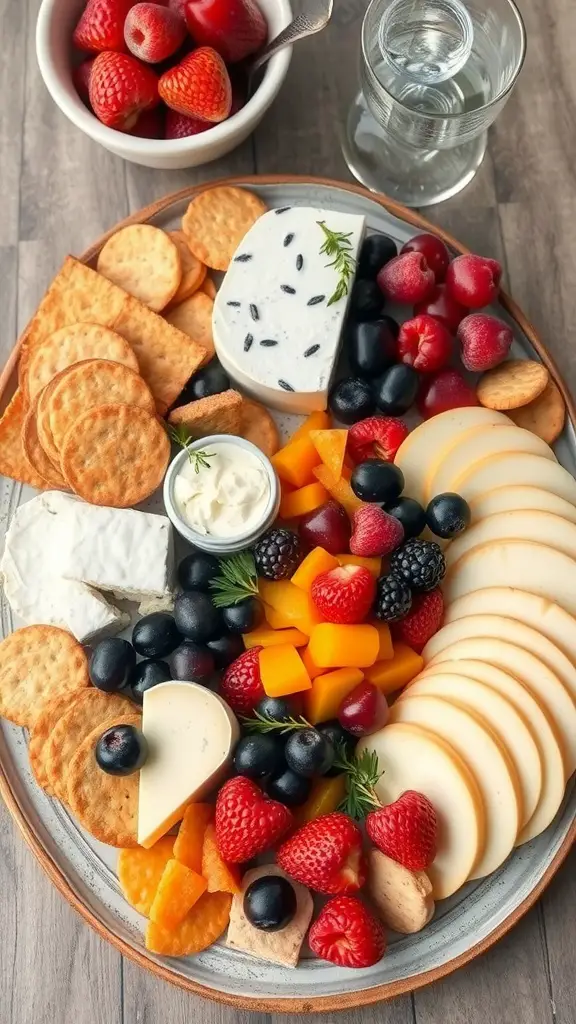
422,621
375,533
376,436
241,685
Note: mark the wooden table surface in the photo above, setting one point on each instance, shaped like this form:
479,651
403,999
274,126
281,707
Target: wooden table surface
58,191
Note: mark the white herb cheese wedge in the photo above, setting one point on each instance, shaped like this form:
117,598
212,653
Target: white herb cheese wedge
279,313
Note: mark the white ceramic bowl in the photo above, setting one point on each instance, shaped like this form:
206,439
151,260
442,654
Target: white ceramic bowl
56,22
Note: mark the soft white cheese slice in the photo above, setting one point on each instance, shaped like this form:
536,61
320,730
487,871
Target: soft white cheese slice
190,733
32,581
274,330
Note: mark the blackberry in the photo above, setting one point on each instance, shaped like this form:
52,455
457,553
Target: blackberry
277,554
393,599
419,563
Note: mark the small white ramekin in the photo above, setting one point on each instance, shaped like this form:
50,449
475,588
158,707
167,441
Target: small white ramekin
221,545
54,28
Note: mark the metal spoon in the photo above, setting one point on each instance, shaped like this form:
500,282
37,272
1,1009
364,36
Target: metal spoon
300,27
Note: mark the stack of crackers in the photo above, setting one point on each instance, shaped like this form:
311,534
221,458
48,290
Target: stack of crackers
524,390
80,425
45,687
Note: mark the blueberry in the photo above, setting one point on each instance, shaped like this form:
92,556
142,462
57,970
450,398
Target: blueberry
258,755
155,635
288,787
147,674
396,390
371,348
375,480
411,515
275,708
192,662
447,515
244,616
111,663
226,649
351,400
366,300
196,617
309,753
377,250
211,380
270,903
121,750
196,571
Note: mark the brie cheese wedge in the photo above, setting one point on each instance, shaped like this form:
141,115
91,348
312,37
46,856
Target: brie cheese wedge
276,330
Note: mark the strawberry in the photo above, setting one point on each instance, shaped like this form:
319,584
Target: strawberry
179,126
198,86
485,341
345,594
234,28
241,685
81,78
120,89
374,532
153,33
247,823
376,437
422,621
347,934
326,855
406,830
150,124
101,26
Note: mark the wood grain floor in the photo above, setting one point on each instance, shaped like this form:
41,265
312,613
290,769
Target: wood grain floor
58,191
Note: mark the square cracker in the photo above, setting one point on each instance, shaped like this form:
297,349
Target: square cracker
13,461
217,414
167,358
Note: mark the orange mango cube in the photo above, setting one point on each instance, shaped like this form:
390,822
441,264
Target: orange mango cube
282,671
385,650
190,838
374,565
326,796
323,700
220,876
340,489
315,563
312,669
275,619
336,646
331,447
263,637
294,606
300,502
315,421
294,463
398,671
179,889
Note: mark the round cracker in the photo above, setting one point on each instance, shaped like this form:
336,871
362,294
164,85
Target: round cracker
512,384
51,713
36,664
145,262
105,805
35,453
217,220
115,455
209,288
193,271
258,427
545,416
71,344
88,712
43,425
91,383
194,318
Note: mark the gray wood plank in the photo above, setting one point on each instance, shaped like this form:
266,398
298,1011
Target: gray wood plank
13,29
399,1011
558,908
144,184
147,1001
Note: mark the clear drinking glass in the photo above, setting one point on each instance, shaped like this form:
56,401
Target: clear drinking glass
434,75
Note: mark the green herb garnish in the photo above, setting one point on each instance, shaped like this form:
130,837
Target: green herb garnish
238,580
197,456
362,775
338,245
262,724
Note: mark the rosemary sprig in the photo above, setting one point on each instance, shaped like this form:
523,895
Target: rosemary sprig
237,580
262,724
362,775
197,456
338,245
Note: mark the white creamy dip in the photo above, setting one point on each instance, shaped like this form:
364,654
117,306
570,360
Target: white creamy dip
226,494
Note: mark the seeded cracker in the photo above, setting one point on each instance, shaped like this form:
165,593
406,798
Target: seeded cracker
217,414
105,805
88,712
193,271
545,416
258,426
89,384
35,453
36,664
51,713
512,384
145,262
70,345
115,455
13,461
217,220
194,317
